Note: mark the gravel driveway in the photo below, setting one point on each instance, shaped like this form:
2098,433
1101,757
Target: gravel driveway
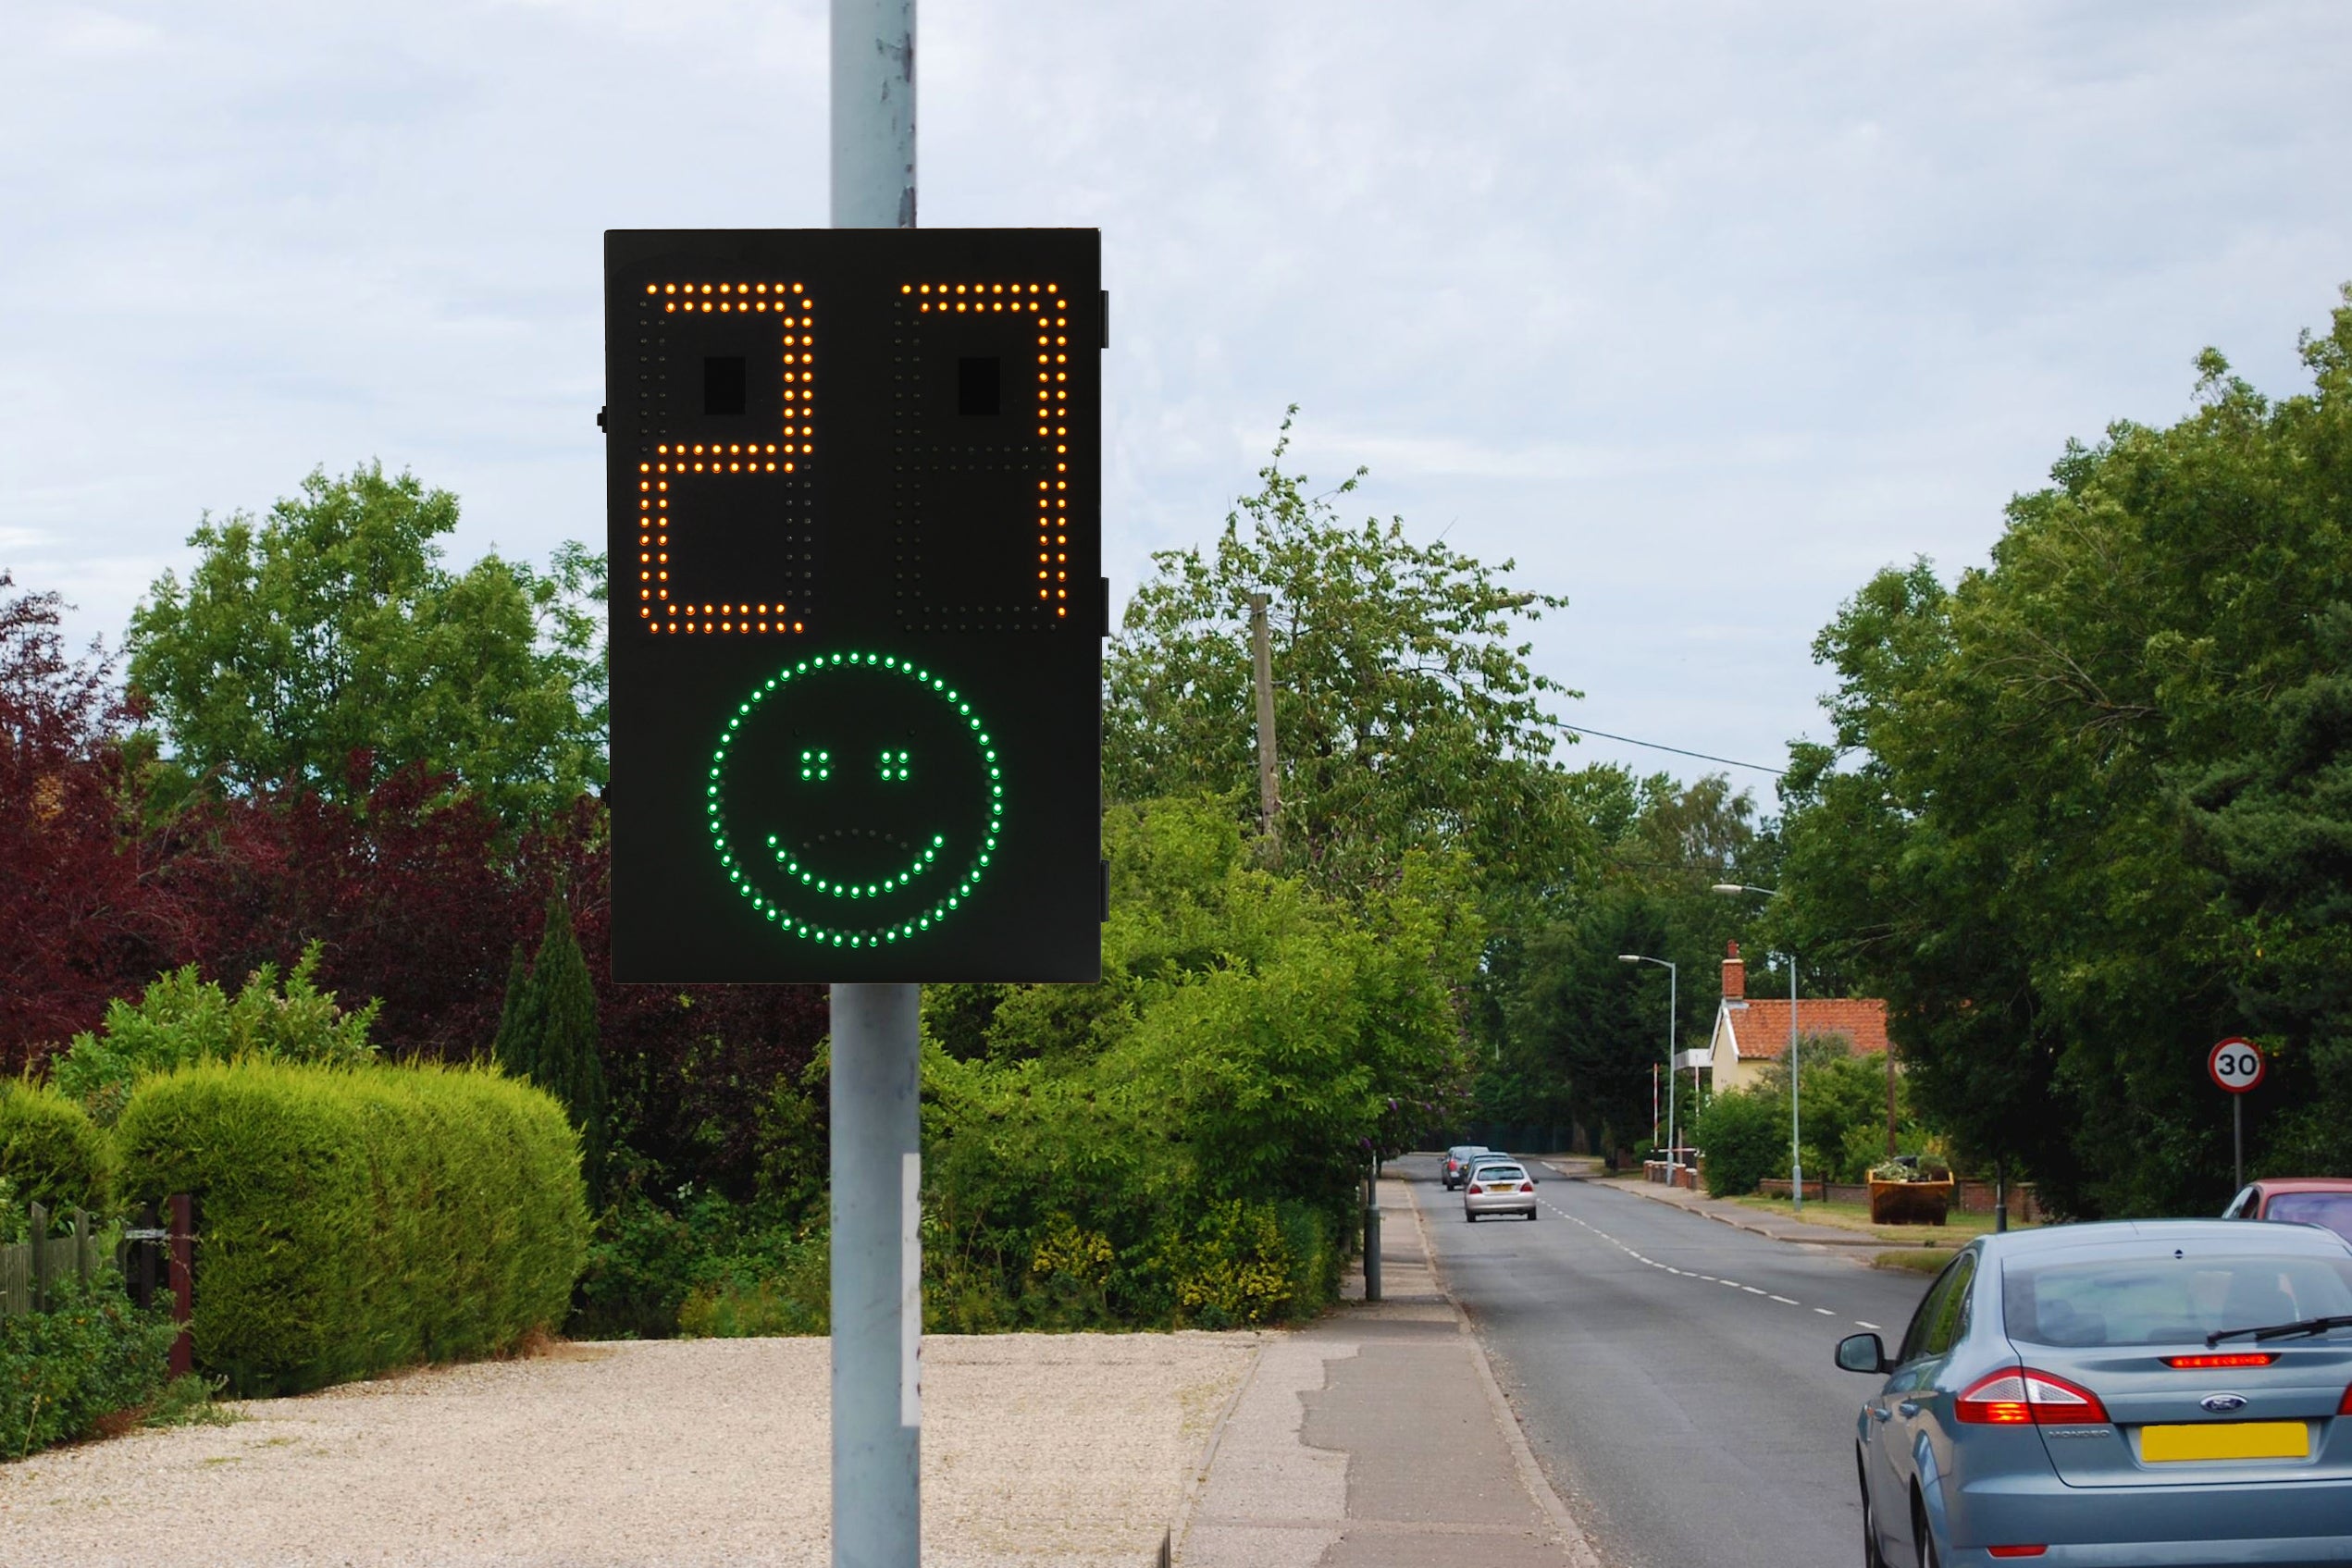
1041,1450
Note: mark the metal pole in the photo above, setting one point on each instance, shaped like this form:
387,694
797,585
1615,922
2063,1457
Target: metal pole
1262,662
1372,1232
1795,1127
1674,978
2237,1141
873,114
877,1277
876,1118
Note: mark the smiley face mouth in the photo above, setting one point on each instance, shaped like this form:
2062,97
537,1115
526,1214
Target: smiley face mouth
919,859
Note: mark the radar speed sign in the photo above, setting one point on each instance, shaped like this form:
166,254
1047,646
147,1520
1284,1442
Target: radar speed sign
2236,1065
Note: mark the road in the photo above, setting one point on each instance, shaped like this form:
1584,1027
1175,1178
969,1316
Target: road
1673,1374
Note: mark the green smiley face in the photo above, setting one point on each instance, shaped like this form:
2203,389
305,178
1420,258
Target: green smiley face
855,799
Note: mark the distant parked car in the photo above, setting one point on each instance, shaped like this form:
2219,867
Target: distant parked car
2141,1392
2308,1199
1457,1164
1498,1187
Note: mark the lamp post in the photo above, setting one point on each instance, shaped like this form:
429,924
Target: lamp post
1674,981
1796,1128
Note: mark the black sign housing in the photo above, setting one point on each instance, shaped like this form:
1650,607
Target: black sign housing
854,522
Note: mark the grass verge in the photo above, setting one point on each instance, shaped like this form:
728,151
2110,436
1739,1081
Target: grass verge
1918,1260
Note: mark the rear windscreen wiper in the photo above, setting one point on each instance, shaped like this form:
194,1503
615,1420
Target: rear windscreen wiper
2281,1330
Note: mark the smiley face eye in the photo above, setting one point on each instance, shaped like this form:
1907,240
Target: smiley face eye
816,766
896,766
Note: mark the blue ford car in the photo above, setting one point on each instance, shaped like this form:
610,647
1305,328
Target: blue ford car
2169,1392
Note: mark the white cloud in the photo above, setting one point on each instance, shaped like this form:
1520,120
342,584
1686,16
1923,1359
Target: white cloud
1701,312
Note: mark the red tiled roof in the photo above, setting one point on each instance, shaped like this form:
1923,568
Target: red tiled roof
1760,1030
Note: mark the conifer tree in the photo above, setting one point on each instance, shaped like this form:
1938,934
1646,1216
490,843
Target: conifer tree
547,1033
570,1062
517,1049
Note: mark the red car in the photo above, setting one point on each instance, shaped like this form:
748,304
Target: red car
2309,1200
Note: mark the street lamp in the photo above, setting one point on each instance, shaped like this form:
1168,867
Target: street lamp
1796,1142
1674,979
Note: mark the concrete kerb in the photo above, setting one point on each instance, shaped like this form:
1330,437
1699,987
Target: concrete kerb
1572,1538
1198,1482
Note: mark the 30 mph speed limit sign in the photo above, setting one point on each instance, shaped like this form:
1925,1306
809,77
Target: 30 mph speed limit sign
2236,1065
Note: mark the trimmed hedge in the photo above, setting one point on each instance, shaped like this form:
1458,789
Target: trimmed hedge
50,1153
64,1371
352,1219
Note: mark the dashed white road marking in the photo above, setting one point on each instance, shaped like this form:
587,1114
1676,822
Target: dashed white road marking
1686,1274
1870,1326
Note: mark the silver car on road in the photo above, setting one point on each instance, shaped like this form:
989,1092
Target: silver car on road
2170,1392
1498,1187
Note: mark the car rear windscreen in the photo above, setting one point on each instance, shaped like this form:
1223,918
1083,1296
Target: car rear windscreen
2160,1297
2331,1209
1499,1174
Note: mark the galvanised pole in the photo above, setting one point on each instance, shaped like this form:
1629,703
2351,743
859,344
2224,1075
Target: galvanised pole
876,1082
1674,979
1795,1127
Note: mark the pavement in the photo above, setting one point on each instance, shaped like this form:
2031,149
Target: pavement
1378,1438
1673,1374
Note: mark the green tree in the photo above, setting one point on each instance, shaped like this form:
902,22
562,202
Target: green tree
330,627
1574,1032
2063,839
1406,717
547,1033
1183,1142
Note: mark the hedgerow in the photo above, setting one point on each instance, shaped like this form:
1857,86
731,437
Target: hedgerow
352,1219
50,1151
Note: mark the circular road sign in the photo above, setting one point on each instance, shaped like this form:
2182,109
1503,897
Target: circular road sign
2236,1065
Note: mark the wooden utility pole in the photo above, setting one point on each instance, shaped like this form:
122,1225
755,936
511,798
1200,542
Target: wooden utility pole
1262,658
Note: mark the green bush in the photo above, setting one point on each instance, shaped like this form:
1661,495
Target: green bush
1744,1136
90,1356
714,1269
183,1018
354,1219
50,1151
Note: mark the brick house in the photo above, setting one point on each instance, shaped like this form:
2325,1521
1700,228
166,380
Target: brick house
1751,1031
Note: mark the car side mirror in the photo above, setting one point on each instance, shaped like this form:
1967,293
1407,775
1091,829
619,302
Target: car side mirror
1862,1352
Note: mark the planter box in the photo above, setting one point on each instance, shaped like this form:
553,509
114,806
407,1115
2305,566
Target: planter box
1910,1203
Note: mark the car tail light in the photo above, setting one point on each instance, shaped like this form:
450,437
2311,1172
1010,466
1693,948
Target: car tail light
2240,1358
1527,1186
2016,1551
2026,1398
1476,1188
2344,1405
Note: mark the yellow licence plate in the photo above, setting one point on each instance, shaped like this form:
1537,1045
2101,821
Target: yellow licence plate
2226,1439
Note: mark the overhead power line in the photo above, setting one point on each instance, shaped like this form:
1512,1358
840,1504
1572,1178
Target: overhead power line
1678,751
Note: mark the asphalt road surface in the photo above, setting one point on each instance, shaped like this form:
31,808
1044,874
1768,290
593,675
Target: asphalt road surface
1674,1373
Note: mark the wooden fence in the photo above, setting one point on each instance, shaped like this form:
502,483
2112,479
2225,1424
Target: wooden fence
32,1272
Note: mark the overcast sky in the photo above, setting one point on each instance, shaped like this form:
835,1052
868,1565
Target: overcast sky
1701,312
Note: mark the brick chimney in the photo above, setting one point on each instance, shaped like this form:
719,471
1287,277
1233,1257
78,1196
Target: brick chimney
1735,976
